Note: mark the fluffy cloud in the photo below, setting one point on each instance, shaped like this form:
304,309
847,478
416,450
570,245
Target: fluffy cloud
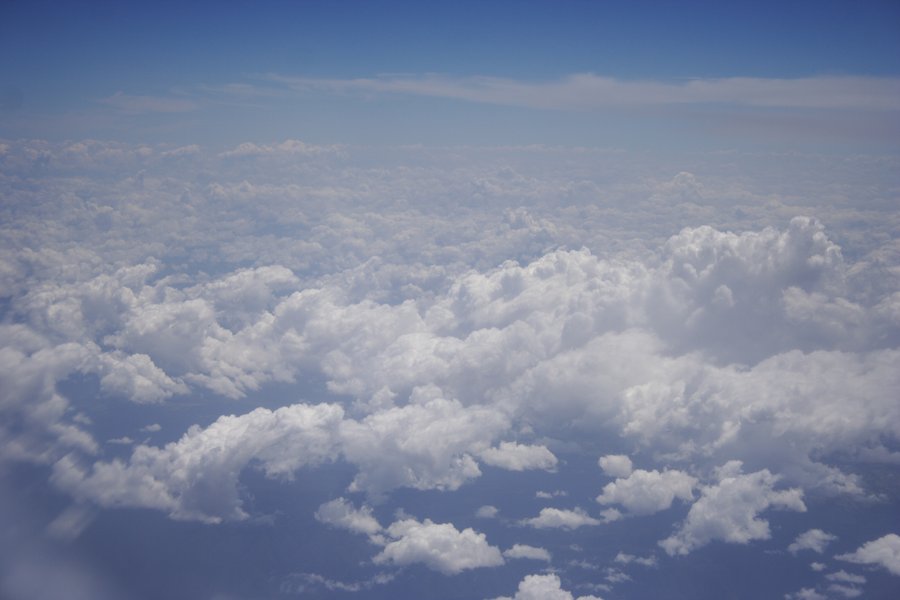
885,552
342,514
814,539
439,546
615,465
646,492
526,551
556,518
196,477
729,510
518,457
544,587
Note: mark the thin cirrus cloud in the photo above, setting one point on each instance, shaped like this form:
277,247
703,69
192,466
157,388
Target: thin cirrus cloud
588,91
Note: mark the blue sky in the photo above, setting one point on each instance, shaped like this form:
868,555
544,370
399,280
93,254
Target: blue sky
63,62
469,300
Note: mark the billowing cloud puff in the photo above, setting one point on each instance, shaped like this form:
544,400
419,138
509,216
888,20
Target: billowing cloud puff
729,510
544,587
526,551
814,539
556,518
518,457
646,492
342,514
439,546
615,465
196,477
885,552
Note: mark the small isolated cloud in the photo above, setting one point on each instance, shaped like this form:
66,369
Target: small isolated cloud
615,465
805,594
525,551
556,518
519,457
847,591
814,539
845,577
438,546
817,566
729,510
885,551
487,512
648,492
627,559
548,495
121,441
543,587
152,428
342,514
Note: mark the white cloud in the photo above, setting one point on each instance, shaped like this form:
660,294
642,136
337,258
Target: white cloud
487,512
624,558
805,594
342,514
543,587
196,477
526,551
518,457
885,552
589,91
615,465
556,518
814,539
439,546
845,577
729,510
817,566
647,492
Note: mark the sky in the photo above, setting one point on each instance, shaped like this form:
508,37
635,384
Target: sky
528,300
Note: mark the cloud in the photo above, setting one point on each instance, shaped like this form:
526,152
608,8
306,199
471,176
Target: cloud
342,514
543,587
885,552
586,91
556,518
814,539
439,546
518,457
805,594
196,477
525,551
728,510
646,492
487,512
615,465
647,561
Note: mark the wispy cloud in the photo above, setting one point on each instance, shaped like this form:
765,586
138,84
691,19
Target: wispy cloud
587,91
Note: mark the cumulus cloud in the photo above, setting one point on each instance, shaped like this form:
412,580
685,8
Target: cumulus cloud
342,514
884,552
543,587
518,457
646,492
526,551
557,518
439,546
615,465
814,539
729,510
487,512
196,477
